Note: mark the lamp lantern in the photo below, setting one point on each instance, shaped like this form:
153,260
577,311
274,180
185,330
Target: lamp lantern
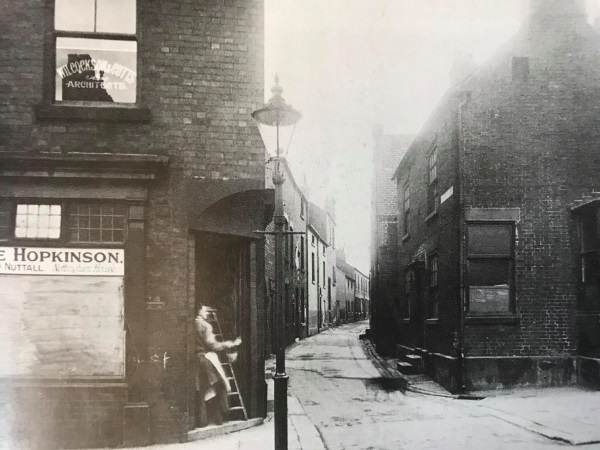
277,113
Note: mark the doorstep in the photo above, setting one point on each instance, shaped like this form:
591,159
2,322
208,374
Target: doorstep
218,430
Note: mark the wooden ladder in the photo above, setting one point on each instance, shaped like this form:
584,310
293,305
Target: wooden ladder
237,409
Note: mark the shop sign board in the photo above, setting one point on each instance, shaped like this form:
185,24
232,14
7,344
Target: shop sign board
62,261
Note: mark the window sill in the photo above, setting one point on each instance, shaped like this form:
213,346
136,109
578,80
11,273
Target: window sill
493,319
93,113
433,321
406,237
431,216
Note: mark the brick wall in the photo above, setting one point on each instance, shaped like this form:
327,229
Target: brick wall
430,234
387,153
531,144
65,417
294,276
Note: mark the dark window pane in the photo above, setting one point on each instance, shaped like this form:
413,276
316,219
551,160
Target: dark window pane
84,236
433,311
94,235
489,239
95,222
489,299
119,221
106,236
118,236
589,233
590,268
489,272
432,197
98,70
4,219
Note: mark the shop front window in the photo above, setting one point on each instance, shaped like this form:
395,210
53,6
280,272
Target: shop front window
95,51
63,302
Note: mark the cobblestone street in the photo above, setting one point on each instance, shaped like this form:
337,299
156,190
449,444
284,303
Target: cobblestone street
342,393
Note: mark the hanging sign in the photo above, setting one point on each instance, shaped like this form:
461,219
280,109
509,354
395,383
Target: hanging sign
62,261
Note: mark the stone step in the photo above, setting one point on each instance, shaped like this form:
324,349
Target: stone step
407,368
415,360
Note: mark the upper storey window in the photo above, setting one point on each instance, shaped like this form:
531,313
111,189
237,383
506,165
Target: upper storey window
95,48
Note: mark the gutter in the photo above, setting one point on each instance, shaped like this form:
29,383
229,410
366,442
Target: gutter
465,97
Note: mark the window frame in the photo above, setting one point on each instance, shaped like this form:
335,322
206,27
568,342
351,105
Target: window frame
433,262
51,109
405,206
408,281
508,257
432,180
65,224
588,249
302,266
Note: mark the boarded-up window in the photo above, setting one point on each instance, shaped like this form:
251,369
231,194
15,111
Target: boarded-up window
490,268
63,325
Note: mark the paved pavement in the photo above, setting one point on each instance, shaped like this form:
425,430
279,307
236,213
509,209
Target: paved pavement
342,397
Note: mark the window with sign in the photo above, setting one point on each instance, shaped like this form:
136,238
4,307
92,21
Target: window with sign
95,47
490,267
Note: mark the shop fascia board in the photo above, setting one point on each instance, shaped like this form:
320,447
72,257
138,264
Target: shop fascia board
82,165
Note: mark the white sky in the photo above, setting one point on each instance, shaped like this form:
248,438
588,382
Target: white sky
350,64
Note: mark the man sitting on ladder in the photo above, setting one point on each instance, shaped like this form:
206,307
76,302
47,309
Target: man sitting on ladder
211,382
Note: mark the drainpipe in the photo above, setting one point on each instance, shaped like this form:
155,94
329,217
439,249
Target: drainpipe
464,99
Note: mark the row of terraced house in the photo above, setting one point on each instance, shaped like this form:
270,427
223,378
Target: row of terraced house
320,287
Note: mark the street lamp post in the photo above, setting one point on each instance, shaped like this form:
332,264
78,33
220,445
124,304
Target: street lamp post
278,113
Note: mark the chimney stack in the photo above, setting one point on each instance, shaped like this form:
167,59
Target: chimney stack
544,9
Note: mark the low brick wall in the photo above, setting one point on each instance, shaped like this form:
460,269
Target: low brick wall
496,373
588,372
443,370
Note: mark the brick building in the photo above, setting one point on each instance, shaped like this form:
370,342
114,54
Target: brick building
320,272
361,294
388,150
345,289
131,182
498,237
295,208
